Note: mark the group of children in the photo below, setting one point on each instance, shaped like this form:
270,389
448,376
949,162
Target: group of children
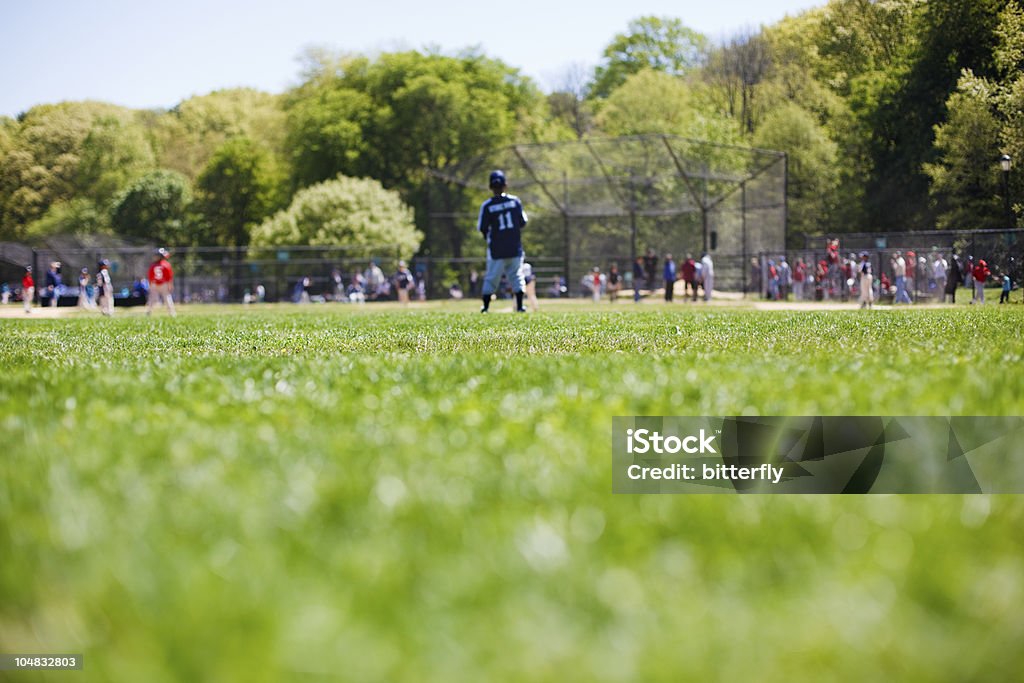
160,278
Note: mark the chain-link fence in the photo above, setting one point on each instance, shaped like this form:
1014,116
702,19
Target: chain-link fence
231,275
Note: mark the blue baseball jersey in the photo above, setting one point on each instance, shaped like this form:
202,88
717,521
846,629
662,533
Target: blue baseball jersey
501,221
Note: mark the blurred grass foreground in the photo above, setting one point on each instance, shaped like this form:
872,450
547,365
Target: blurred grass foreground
426,496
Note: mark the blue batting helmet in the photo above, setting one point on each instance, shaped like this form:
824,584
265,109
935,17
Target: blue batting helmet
497,178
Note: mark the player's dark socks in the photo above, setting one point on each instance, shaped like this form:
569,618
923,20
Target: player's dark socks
519,302
487,303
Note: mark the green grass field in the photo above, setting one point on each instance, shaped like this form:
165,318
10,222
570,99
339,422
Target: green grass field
379,495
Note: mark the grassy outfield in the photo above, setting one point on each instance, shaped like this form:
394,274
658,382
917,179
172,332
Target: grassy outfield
381,495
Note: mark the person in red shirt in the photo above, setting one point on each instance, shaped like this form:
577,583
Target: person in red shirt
980,273
799,276
689,271
161,282
28,289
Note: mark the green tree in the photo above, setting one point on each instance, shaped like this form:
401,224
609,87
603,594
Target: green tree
240,186
738,69
812,164
154,208
949,37
654,102
347,212
964,183
78,215
569,103
42,164
188,135
660,43
986,118
114,153
404,116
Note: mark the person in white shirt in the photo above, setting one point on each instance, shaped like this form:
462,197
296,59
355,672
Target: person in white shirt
939,268
707,270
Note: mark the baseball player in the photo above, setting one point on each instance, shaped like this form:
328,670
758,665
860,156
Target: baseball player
161,282
105,288
501,222
28,289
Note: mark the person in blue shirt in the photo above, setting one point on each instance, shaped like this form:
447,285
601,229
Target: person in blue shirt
1004,296
669,273
501,222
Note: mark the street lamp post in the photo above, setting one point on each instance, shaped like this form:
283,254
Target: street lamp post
1005,162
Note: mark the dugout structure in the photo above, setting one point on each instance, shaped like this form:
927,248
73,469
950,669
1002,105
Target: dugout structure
596,201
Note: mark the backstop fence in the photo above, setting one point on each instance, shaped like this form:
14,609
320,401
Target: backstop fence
594,202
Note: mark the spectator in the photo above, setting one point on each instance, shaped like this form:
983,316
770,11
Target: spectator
337,286
899,271
755,276
911,260
531,286
1004,296
866,283
954,276
5,293
773,281
638,274
301,293
614,282
669,276
140,289
356,290
834,267
404,282
595,279
799,277
980,274
557,288
474,283
689,270
969,275
939,269
707,273
785,278
375,281
885,284
650,265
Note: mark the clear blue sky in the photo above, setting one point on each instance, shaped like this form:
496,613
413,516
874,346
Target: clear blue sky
155,54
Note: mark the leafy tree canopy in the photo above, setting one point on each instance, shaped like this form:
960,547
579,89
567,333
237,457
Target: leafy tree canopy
154,208
343,211
660,43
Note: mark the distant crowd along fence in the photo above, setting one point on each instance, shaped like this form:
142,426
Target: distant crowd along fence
226,275
1002,250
